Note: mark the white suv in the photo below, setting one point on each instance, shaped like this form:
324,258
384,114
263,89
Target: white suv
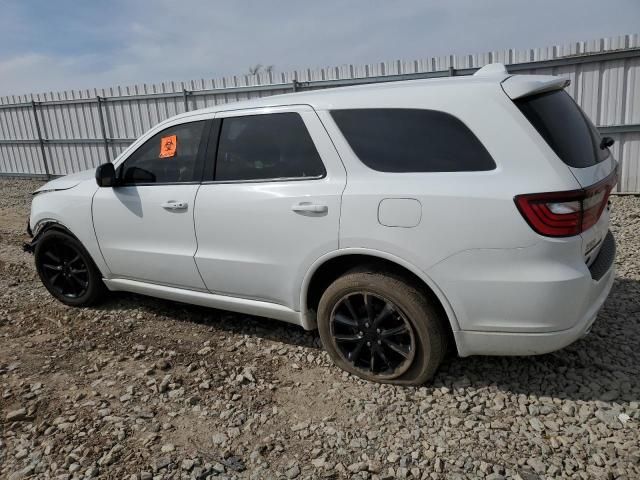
396,218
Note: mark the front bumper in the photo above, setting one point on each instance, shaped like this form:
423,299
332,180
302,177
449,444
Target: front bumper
29,246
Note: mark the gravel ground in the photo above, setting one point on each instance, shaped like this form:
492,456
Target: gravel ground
142,388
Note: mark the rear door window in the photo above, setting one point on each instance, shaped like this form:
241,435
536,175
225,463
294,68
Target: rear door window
412,140
565,127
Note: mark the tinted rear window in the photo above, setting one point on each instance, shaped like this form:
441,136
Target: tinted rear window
412,140
565,127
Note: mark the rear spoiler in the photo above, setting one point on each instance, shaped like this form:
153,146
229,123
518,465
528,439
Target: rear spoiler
517,86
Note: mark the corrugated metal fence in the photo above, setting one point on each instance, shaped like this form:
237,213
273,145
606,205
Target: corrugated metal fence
59,133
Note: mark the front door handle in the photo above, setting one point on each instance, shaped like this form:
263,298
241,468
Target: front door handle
174,205
308,207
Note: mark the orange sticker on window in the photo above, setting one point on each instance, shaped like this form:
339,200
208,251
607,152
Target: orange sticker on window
168,146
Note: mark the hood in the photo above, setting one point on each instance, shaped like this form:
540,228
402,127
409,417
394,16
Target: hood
67,182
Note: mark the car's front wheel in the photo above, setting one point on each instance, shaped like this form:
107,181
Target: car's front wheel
67,270
381,328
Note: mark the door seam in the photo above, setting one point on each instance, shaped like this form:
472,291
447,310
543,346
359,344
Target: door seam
93,226
195,235
346,174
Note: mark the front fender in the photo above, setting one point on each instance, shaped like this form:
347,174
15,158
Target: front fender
70,210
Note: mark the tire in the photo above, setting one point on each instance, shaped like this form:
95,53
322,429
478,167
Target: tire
78,282
412,355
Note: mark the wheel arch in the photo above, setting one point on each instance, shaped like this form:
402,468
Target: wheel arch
46,224
329,267
51,224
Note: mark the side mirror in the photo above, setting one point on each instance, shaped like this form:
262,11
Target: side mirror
606,142
106,175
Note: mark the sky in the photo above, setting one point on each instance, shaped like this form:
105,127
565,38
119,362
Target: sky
52,45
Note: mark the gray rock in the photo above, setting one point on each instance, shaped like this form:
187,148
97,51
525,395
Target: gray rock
91,472
569,409
537,464
609,395
23,473
609,418
163,364
300,426
218,438
22,453
358,467
161,462
536,424
17,415
164,385
293,472
495,476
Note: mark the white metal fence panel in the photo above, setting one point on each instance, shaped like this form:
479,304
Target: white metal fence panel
64,132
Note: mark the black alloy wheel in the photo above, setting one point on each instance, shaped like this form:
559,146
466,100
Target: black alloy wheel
370,332
64,269
382,327
67,270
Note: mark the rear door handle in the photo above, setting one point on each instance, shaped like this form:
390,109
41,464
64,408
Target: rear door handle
308,207
174,205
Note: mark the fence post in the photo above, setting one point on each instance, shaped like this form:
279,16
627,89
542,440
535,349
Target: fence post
452,72
185,96
40,139
102,128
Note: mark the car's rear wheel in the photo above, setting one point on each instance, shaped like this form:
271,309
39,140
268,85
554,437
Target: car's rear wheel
66,269
381,328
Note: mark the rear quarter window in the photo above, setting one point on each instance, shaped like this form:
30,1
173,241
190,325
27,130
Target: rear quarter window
412,140
565,128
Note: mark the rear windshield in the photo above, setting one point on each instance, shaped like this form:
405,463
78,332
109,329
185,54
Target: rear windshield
565,127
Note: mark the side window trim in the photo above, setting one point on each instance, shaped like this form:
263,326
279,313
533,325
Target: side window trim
265,180
200,162
212,154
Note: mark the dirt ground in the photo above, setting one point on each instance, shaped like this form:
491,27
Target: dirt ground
144,388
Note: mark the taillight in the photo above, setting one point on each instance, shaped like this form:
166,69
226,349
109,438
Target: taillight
564,214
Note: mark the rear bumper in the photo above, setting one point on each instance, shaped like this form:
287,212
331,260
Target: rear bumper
507,343
526,304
